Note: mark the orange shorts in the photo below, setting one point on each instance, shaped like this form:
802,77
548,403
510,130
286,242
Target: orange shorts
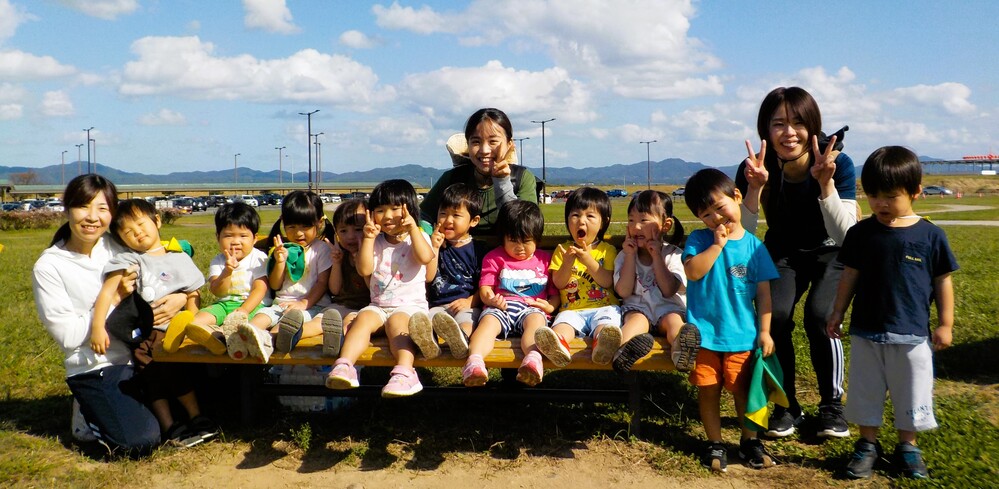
728,368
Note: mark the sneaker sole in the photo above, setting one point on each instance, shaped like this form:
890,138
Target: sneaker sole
254,343
288,327
176,330
422,333
235,345
767,462
448,329
831,433
528,377
476,380
205,337
780,434
632,351
340,383
396,394
689,342
332,324
716,466
608,342
551,346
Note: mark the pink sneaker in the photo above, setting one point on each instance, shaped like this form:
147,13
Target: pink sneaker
474,374
553,346
403,383
531,371
343,376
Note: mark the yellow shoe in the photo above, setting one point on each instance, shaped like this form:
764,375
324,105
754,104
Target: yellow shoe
176,331
206,337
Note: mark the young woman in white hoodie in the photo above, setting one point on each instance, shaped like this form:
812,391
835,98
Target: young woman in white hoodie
66,281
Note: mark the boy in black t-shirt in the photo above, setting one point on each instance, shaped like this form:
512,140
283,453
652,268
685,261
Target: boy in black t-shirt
896,264
453,293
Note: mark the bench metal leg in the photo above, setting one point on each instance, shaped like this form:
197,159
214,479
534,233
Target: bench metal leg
634,403
249,379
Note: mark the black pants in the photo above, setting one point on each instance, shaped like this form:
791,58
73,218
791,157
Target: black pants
818,273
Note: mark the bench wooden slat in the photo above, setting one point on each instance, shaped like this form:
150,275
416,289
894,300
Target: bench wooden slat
506,354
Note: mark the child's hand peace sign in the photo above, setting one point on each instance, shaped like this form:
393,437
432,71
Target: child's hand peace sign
280,252
337,253
230,260
756,170
437,239
825,163
371,229
408,223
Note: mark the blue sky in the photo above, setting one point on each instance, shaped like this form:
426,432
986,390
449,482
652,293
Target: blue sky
184,85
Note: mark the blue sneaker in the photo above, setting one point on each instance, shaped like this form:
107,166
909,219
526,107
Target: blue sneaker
865,455
910,461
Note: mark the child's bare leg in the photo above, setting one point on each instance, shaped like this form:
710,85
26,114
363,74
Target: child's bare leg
467,328
740,411
204,319
670,325
312,327
483,339
904,436
870,433
189,402
531,325
261,321
397,331
635,323
709,404
358,338
565,330
161,409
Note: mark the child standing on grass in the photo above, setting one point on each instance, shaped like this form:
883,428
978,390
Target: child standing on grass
649,277
583,271
237,276
727,270
396,258
294,270
453,293
348,288
516,292
896,264
137,226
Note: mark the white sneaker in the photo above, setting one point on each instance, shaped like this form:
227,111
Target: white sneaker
81,430
606,343
448,329
258,341
422,334
553,346
235,345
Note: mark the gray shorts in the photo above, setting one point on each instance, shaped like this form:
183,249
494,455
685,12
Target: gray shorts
463,316
275,312
905,371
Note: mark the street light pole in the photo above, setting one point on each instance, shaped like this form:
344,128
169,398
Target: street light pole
88,148
319,168
95,153
520,146
235,169
79,159
280,165
64,166
308,142
648,160
544,176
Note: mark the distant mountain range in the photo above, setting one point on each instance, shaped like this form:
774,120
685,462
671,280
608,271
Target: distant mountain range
668,171
671,171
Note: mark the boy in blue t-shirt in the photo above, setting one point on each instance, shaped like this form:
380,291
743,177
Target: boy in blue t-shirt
727,269
453,293
896,264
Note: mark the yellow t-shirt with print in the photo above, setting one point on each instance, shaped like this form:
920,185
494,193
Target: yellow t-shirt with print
582,291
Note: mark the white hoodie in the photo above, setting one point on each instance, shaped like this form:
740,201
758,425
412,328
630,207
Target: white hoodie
66,285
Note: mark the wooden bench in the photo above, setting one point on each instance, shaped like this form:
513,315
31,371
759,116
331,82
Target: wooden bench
505,355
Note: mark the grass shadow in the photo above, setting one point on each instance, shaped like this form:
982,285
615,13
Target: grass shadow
969,362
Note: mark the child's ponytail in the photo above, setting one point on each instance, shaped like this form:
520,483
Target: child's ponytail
676,236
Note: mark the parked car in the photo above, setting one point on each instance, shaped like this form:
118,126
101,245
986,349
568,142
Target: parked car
11,206
617,192
199,204
937,190
55,206
184,205
252,202
678,192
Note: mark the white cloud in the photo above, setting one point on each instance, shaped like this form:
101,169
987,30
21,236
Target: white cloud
951,97
194,26
103,9
386,134
451,94
19,65
641,50
269,15
357,40
423,21
57,104
164,117
188,67
12,16
10,111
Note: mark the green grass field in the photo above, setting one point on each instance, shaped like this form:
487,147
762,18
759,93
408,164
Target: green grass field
420,433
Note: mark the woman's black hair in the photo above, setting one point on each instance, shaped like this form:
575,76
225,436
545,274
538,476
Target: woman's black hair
460,194
658,204
702,184
891,168
239,214
585,197
79,192
521,220
346,213
395,192
488,114
131,209
303,208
